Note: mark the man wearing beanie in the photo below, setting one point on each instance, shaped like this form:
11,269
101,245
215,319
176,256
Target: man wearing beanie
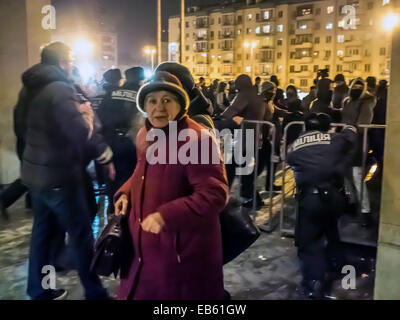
174,206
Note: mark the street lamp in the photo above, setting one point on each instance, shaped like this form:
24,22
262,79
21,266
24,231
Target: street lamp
151,52
390,21
252,47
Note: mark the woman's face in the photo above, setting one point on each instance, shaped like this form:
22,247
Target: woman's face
161,107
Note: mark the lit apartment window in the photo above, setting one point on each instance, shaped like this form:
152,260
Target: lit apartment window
303,26
266,29
340,38
341,24
316,53
239,31
266,15
249,16
279,28
385,2
329,10
329,26
340,53
258,30
248,69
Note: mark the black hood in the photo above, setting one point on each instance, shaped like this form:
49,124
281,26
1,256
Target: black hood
42,74
243,83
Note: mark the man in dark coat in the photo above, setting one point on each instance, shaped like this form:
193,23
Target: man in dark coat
120,123
56,132
278,100
246,106
323,103
306,102
358,109
340,91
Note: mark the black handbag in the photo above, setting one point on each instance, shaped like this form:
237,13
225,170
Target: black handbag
238,231
113,250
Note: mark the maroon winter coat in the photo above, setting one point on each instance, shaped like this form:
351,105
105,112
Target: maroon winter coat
184,261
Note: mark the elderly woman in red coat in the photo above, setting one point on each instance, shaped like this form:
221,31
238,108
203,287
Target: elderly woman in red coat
173,206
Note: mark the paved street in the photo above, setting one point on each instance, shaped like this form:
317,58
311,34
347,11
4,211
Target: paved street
268,270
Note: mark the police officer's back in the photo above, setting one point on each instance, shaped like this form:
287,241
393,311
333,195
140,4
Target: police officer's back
319,160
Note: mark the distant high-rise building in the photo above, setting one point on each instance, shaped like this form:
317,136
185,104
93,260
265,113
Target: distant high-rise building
292,39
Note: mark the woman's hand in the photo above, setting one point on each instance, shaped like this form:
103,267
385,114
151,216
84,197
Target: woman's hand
121,206
153,223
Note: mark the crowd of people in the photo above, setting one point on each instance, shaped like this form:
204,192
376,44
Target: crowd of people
173,210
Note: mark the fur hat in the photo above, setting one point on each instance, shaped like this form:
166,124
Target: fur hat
163,80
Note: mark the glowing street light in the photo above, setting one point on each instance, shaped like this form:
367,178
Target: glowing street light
82,48
151,52
390,21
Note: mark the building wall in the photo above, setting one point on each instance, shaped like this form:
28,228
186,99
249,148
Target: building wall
303,43
19,49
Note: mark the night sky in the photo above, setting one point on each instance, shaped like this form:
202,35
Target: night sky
135,22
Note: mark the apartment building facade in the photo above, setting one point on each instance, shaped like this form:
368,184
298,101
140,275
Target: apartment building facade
292,40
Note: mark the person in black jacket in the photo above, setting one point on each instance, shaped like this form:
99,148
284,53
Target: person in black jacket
340,91
323,103
120,122
56,130
319,160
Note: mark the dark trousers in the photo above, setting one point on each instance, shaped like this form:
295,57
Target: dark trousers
67,207
317,235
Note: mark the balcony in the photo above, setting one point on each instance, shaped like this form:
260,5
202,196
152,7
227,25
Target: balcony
266,59
353,43
302,45
263,19
201,50
202,38
305,17
308,30
227,36
266,34
352,58
202,62
227,48
304,59
228,23
202,25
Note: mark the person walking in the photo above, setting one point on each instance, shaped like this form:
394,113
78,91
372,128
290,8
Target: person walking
57,130
173,208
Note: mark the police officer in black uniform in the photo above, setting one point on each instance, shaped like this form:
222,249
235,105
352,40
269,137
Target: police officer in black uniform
119,118
319,160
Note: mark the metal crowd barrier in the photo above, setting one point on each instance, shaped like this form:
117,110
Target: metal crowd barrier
290,232
269,225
